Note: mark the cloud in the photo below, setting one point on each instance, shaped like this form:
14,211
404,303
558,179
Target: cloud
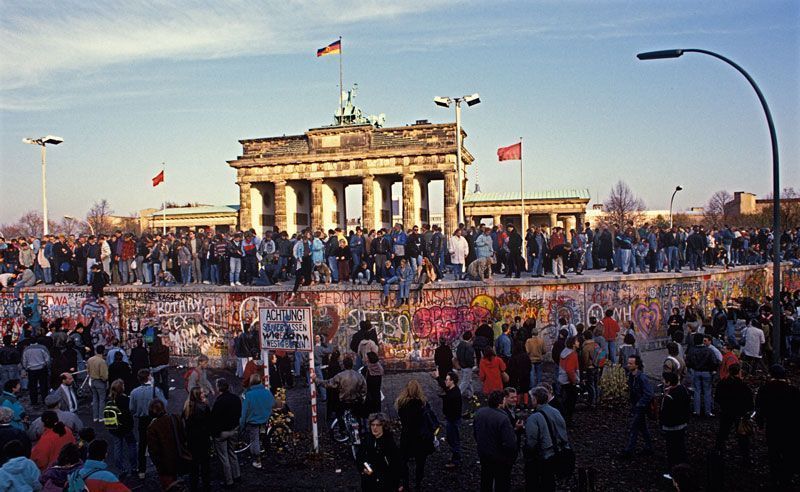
75,36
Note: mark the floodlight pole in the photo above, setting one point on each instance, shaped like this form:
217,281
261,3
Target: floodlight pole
776,189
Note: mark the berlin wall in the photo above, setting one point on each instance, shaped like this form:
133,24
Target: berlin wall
205,319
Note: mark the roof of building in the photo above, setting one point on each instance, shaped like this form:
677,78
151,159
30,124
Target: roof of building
200,210
577,193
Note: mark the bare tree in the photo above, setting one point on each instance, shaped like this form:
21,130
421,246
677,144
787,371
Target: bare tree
789,212
68,226
31,224
715,212
99,216
622,205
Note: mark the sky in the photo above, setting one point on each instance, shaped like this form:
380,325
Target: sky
131,85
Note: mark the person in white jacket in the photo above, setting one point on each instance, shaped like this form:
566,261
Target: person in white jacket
459,250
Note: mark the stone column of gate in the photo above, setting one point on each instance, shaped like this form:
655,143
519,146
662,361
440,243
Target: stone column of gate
570,223
368,203
280,205
581,221
244,206
450,203
553,220
316,204
409,207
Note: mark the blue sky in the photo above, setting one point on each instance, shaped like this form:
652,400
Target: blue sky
131,85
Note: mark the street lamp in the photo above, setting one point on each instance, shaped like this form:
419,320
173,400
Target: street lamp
445,102
677,189
91,227
43,142
776,189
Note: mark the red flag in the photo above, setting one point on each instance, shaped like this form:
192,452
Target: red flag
510,153
158,179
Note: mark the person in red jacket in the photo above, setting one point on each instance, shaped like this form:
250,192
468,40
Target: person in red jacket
610,331
55,436
729,358
569,376
491,369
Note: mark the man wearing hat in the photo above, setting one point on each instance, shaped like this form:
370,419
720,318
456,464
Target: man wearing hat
53,402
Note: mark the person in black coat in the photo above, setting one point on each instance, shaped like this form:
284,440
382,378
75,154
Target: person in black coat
674,417
443,358
416,438
451,408
378,458
140,358
197,417
225,429
519,370
777,407
119,369
735,401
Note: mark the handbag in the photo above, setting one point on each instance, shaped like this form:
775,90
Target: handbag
744,427
564,458
133,265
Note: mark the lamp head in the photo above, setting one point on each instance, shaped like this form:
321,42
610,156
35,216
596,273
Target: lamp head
658,55
31,141
472,100
52,140
678,188
69,217
442,101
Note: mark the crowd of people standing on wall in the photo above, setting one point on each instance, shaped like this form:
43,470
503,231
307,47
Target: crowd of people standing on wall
406,257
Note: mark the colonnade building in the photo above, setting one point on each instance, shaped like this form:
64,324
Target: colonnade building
293,182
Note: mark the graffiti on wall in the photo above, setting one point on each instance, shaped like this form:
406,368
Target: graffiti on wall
72,307
206,322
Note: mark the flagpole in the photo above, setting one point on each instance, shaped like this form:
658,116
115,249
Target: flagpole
341,86
522,227
164,200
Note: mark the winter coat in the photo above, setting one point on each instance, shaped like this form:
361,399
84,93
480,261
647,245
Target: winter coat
45,452
489,374
384,459
412,439
459,249
19,474
674,413
494,435
162,446
54,479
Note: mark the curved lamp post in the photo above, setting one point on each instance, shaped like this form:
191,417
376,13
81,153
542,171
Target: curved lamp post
677,189
776,189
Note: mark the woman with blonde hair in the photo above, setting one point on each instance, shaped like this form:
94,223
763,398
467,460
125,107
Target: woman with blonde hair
417,433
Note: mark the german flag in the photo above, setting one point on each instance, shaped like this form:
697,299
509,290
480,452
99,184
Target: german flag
331,49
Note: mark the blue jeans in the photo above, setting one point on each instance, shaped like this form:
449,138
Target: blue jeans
638,424
48,275
589,260
453,438
124,270
156,271
333,264
536,374
624,260
730,334
612,351
538,266
356,258
147,269
123,452
389,281
186,273
701,382
672,256
236,269
213,272
458,270
405,288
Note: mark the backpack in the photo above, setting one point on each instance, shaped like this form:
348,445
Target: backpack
430,423
599,356
77,482
27,311
112,415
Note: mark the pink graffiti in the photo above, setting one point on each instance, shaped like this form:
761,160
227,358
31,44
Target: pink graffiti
647,318
447,322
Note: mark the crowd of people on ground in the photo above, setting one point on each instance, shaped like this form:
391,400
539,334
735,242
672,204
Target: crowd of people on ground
406,257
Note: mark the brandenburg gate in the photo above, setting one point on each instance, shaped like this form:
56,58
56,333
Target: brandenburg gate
298,181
